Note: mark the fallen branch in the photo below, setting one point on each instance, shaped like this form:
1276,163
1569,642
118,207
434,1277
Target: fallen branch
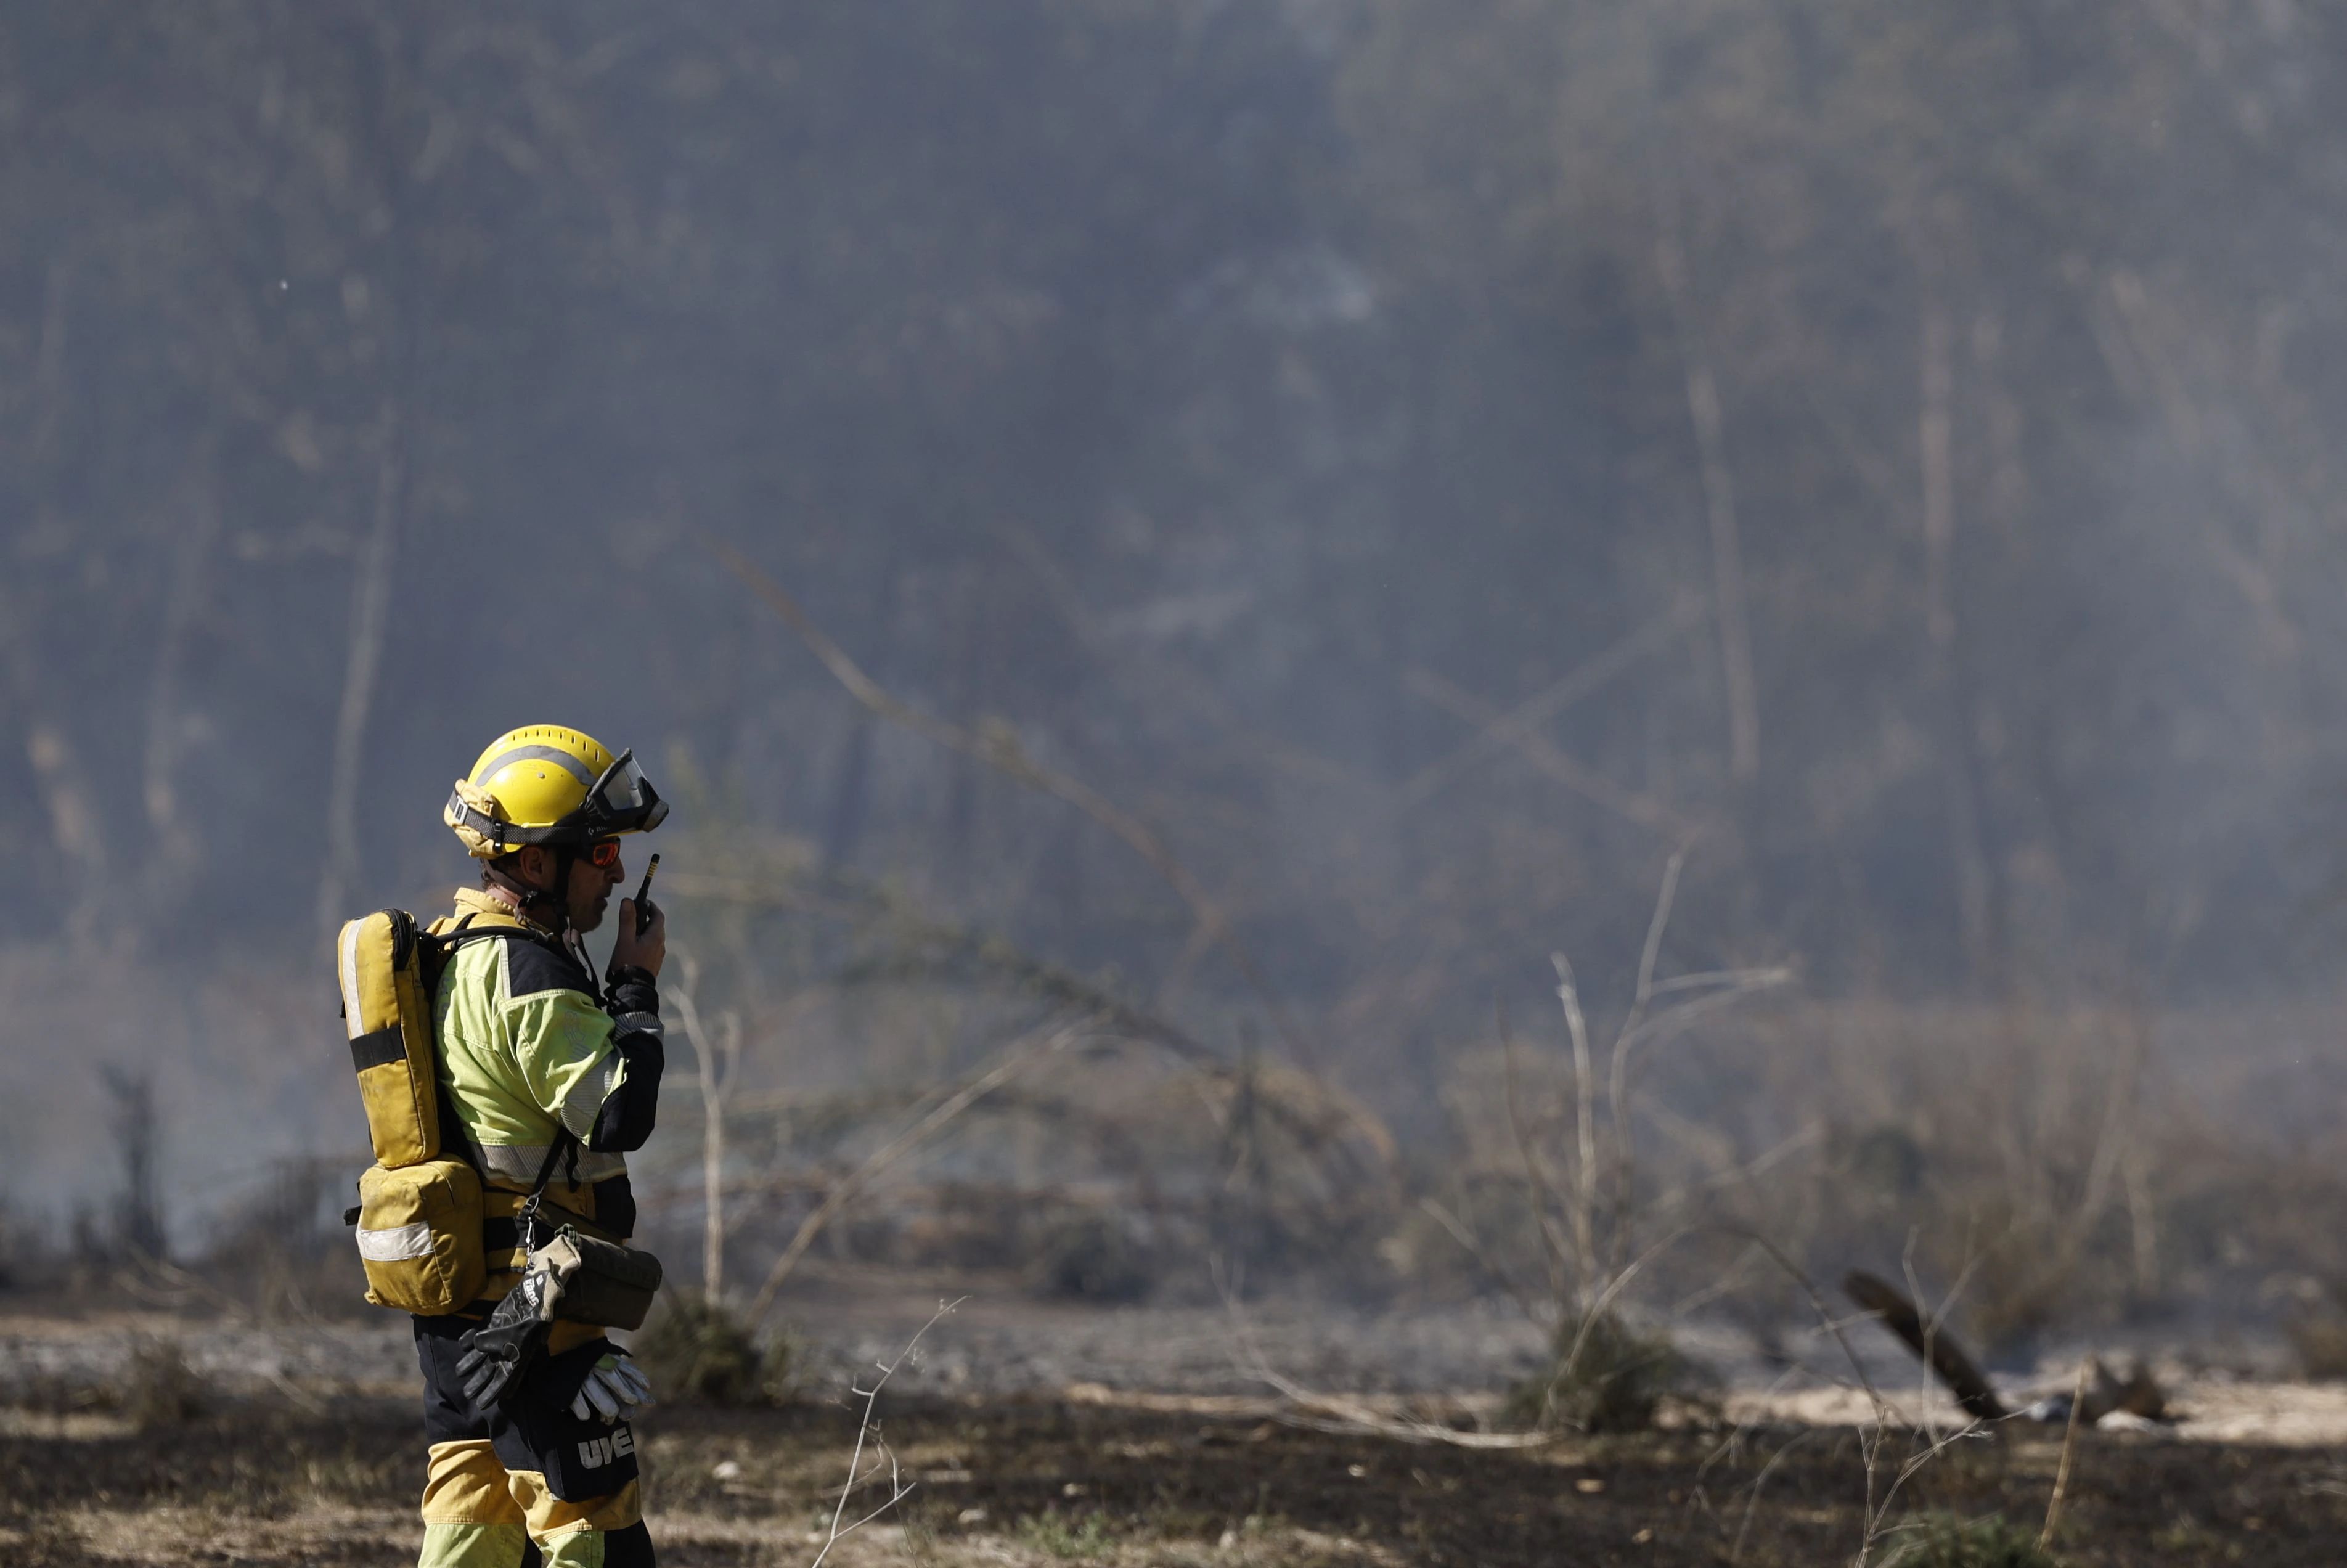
1940,1352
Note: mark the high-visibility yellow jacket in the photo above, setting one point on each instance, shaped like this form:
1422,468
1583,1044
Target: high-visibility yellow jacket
527,1047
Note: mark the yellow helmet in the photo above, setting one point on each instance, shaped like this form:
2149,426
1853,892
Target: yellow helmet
546,784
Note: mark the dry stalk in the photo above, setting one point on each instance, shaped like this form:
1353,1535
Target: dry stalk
1869,1442
1584,1111
1613,1149
2069,1453
1878,1523
899,1489
718,1068
1981,1406
1618,1080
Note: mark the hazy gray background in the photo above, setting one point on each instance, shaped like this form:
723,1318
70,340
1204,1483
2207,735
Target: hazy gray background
1928,416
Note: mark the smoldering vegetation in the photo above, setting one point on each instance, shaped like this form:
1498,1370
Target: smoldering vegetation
860,1095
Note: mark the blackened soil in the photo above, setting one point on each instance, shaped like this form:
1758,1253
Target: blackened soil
1042,1481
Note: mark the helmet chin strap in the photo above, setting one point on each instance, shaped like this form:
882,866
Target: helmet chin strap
528,899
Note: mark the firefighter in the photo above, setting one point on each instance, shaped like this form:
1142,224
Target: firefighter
547,1079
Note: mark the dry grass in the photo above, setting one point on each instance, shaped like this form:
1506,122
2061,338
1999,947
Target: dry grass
694,1349
1947,1540
2076,1169
1605,1375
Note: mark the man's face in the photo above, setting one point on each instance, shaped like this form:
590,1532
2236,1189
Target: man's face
590,889
590,893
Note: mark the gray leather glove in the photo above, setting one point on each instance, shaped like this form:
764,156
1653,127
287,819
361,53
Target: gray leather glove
614,1389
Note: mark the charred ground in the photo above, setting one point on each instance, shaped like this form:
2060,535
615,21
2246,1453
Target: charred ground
1042,1479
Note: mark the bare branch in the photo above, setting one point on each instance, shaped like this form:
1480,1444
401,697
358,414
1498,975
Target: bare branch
1617,1092
1549,759
1017,1059
898,1487
1523,720
1584,1208
998,748
716,1082
1719,495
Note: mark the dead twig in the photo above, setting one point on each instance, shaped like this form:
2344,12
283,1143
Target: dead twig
899,1489
1870,1445
1876,1526
2069,1453
1949,1362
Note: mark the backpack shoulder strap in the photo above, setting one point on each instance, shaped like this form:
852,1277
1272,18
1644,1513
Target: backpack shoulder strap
438,945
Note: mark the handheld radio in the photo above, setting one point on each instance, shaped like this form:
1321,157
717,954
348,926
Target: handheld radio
643,906
643,916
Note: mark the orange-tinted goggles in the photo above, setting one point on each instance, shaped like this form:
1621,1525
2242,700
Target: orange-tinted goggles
603,853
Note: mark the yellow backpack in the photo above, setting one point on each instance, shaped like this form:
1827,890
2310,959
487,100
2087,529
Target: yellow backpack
419,1212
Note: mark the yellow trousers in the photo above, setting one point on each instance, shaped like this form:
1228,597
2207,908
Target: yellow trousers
479,1514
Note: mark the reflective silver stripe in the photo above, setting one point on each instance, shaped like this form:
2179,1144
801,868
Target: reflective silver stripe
639,1023
585,1101
520,1163
350,968
563,760
400,1245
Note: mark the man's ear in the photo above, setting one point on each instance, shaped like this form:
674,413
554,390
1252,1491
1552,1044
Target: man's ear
537,867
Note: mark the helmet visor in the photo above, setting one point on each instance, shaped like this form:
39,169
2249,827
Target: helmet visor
623,800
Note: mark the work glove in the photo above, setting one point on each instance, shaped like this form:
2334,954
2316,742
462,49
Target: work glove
615,1388
634,993
513,1340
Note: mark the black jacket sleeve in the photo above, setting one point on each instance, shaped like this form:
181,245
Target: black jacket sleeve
626,1119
